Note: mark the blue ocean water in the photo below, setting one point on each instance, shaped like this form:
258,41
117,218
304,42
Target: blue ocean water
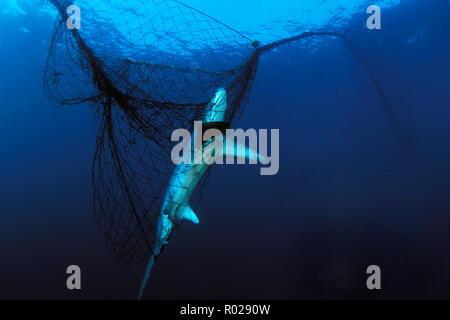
346,195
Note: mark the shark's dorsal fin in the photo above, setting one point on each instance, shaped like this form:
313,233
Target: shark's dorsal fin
188,214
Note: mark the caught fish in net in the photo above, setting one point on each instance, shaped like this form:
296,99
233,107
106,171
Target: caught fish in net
147,68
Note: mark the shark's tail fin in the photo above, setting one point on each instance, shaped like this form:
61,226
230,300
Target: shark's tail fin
146,276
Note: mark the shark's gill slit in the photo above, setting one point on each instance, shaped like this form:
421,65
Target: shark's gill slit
144,80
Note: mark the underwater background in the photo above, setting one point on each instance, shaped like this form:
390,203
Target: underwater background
346,196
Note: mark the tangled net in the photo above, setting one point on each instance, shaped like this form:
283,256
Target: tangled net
148,67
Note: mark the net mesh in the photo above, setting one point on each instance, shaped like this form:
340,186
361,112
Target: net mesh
147,68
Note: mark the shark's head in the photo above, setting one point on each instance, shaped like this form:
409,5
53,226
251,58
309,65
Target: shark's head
217,107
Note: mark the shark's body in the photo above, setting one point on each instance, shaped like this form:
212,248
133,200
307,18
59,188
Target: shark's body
184,181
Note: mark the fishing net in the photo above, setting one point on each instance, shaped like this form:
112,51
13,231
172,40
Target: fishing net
147,68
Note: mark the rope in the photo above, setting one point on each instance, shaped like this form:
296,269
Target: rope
214,19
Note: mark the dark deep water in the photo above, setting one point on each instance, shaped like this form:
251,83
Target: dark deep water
346,195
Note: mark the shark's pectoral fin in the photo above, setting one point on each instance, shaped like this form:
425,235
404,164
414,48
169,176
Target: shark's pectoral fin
188,214
241,151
